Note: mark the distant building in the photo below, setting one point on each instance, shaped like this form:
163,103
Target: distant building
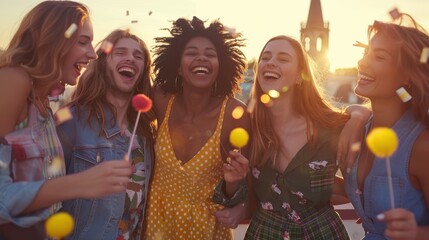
315,36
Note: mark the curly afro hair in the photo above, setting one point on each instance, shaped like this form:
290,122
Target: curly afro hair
168,52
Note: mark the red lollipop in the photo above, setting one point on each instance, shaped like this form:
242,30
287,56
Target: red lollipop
141,103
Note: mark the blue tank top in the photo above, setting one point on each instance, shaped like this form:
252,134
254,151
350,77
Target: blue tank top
375,197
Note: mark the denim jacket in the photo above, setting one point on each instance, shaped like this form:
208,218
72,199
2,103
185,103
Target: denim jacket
84,147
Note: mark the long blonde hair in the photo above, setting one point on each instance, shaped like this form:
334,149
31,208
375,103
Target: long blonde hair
306,101
39,45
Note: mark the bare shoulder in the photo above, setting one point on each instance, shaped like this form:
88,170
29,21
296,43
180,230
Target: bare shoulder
15,87
160,103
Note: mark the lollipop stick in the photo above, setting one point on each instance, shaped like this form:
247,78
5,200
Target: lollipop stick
132,137
389,179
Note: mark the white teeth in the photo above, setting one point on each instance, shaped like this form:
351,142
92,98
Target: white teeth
200,70
364,77
127,69
271,74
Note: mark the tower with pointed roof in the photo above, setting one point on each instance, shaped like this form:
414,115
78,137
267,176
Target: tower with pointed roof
315,36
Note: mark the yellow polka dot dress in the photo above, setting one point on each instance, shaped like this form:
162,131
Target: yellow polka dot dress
180,205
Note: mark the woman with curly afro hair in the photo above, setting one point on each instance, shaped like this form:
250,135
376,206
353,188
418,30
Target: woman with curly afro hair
198,70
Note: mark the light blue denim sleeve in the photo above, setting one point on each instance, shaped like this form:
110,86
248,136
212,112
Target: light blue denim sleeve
16,196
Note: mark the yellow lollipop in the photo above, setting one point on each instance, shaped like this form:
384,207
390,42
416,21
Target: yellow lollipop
239,137
59,225
382,141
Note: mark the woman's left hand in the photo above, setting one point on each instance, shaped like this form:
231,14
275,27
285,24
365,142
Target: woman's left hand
231,217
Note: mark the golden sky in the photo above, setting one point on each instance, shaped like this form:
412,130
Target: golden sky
257,20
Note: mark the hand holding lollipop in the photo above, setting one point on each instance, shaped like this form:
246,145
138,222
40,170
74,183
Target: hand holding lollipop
382,141
142,104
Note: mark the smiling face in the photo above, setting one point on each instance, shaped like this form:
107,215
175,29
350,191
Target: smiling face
199,64
278,66
126,64
80,55
379,74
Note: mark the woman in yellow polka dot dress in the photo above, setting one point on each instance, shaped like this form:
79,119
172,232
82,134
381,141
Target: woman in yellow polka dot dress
197,72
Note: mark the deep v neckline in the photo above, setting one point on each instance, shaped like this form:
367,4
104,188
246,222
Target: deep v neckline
170,141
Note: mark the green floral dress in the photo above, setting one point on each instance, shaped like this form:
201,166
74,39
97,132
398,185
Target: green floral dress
295,204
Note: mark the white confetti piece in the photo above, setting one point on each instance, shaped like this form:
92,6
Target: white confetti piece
56,166
394,13
70,31
231,30
3,165
425,55
63,115
106,47
355,147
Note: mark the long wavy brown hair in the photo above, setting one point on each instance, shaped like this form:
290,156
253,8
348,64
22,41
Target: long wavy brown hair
410,39
39,45
96,81
168,52
307,101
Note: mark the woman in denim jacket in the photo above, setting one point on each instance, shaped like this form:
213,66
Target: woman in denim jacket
99,131
39,62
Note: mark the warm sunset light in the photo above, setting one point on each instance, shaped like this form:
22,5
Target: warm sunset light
257,20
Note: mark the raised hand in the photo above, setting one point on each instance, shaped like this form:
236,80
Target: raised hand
237,169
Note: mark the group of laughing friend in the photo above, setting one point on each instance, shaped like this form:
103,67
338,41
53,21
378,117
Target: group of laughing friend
184,179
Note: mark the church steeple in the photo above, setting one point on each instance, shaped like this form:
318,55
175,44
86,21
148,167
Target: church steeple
315,36
315,16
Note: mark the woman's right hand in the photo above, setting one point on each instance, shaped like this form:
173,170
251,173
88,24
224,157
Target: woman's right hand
105,178
237,169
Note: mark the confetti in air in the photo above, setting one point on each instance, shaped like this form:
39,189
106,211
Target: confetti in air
149,13
394,13
237,113
425,55
56,167
231,31
127,13
134,21
63,115
70,31
3,165
355,147
106,47
403,94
